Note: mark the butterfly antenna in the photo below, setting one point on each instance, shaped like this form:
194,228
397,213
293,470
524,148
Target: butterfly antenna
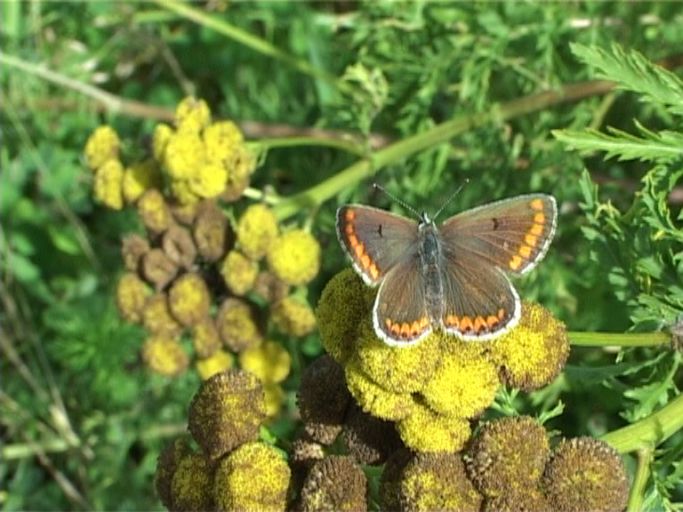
467,180
396,199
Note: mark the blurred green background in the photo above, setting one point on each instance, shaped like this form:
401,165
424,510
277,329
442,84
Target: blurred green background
82,421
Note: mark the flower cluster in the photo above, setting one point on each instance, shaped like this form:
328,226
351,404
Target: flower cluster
195,275
432,389
232,470
508,466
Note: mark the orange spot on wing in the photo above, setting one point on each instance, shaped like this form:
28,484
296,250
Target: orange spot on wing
492,320
539,218
479,323
374,271
536,204
349,230
515,262
405,330
501,313
365,260
350,215
536,229
452,321
353,241
466,324
359,248
525,251
531,240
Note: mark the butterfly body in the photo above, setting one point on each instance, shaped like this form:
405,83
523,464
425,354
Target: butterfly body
451,276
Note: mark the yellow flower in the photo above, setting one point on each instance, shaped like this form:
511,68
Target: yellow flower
294,257
182,192
140,177
131,295
205,338
160,137
585,474
335,483
165,356
167,464
533,353
221,140
226,412
191,487
107,187
184,154
426,431
508,456
253,477
437,481
217,362
154,211
462,386
239,272
341,306
256,230
208,180
269,361
237,326
293,316
189,299
157,318
192,115
101,146
375,399
240,165
274,397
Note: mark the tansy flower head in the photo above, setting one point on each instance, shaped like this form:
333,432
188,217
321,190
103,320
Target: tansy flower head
221,140
217,362
437,481
270,288
529,500
183,155
140,177
178,245
294,257
585,474
323,399
269,361
226,411
160,137
192,114
237,326
253,477
424,430
208,180
508,456
340,309
192,484
390,482
211,232
181,190
256,230
157,318
108,185
154,211
334,483
239,272
185,214
375,399
305,452
158,269
274,397
131,295
167,463
101,146
189,299
533,353
205,337
293,316
240,165
369,439
165,356
133,248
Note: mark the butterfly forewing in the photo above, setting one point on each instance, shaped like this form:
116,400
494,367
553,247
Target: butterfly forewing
513,234
400,314
479,302
375,240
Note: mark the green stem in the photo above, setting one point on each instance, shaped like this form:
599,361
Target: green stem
437,135
625,339
25,450
636,495
650,431
252,42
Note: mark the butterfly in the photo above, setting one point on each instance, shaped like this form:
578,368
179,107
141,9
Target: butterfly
452,276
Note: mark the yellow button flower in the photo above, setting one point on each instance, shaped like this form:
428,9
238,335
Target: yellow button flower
269,361
101,146
294,257
108,184
217,362
256,230
165,356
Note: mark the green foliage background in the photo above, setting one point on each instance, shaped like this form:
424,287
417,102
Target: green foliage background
82,422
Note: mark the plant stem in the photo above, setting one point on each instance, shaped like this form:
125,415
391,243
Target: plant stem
650,431
635,497
253,42
437,135
625,339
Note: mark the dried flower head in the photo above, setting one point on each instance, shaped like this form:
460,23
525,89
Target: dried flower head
167,463
294,257
293,316
133,248
192,484
237,326
157,317
164,356
253,477
154,212
334,483
270,288
239,272
158,269
189,299
211,232
585,474
205,337
102,145
369,439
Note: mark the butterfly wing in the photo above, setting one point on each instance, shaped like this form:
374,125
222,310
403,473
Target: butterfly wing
479,302
512,234
400,314
376,240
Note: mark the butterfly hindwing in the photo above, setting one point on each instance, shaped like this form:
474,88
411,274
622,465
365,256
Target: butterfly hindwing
512,234
376,240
